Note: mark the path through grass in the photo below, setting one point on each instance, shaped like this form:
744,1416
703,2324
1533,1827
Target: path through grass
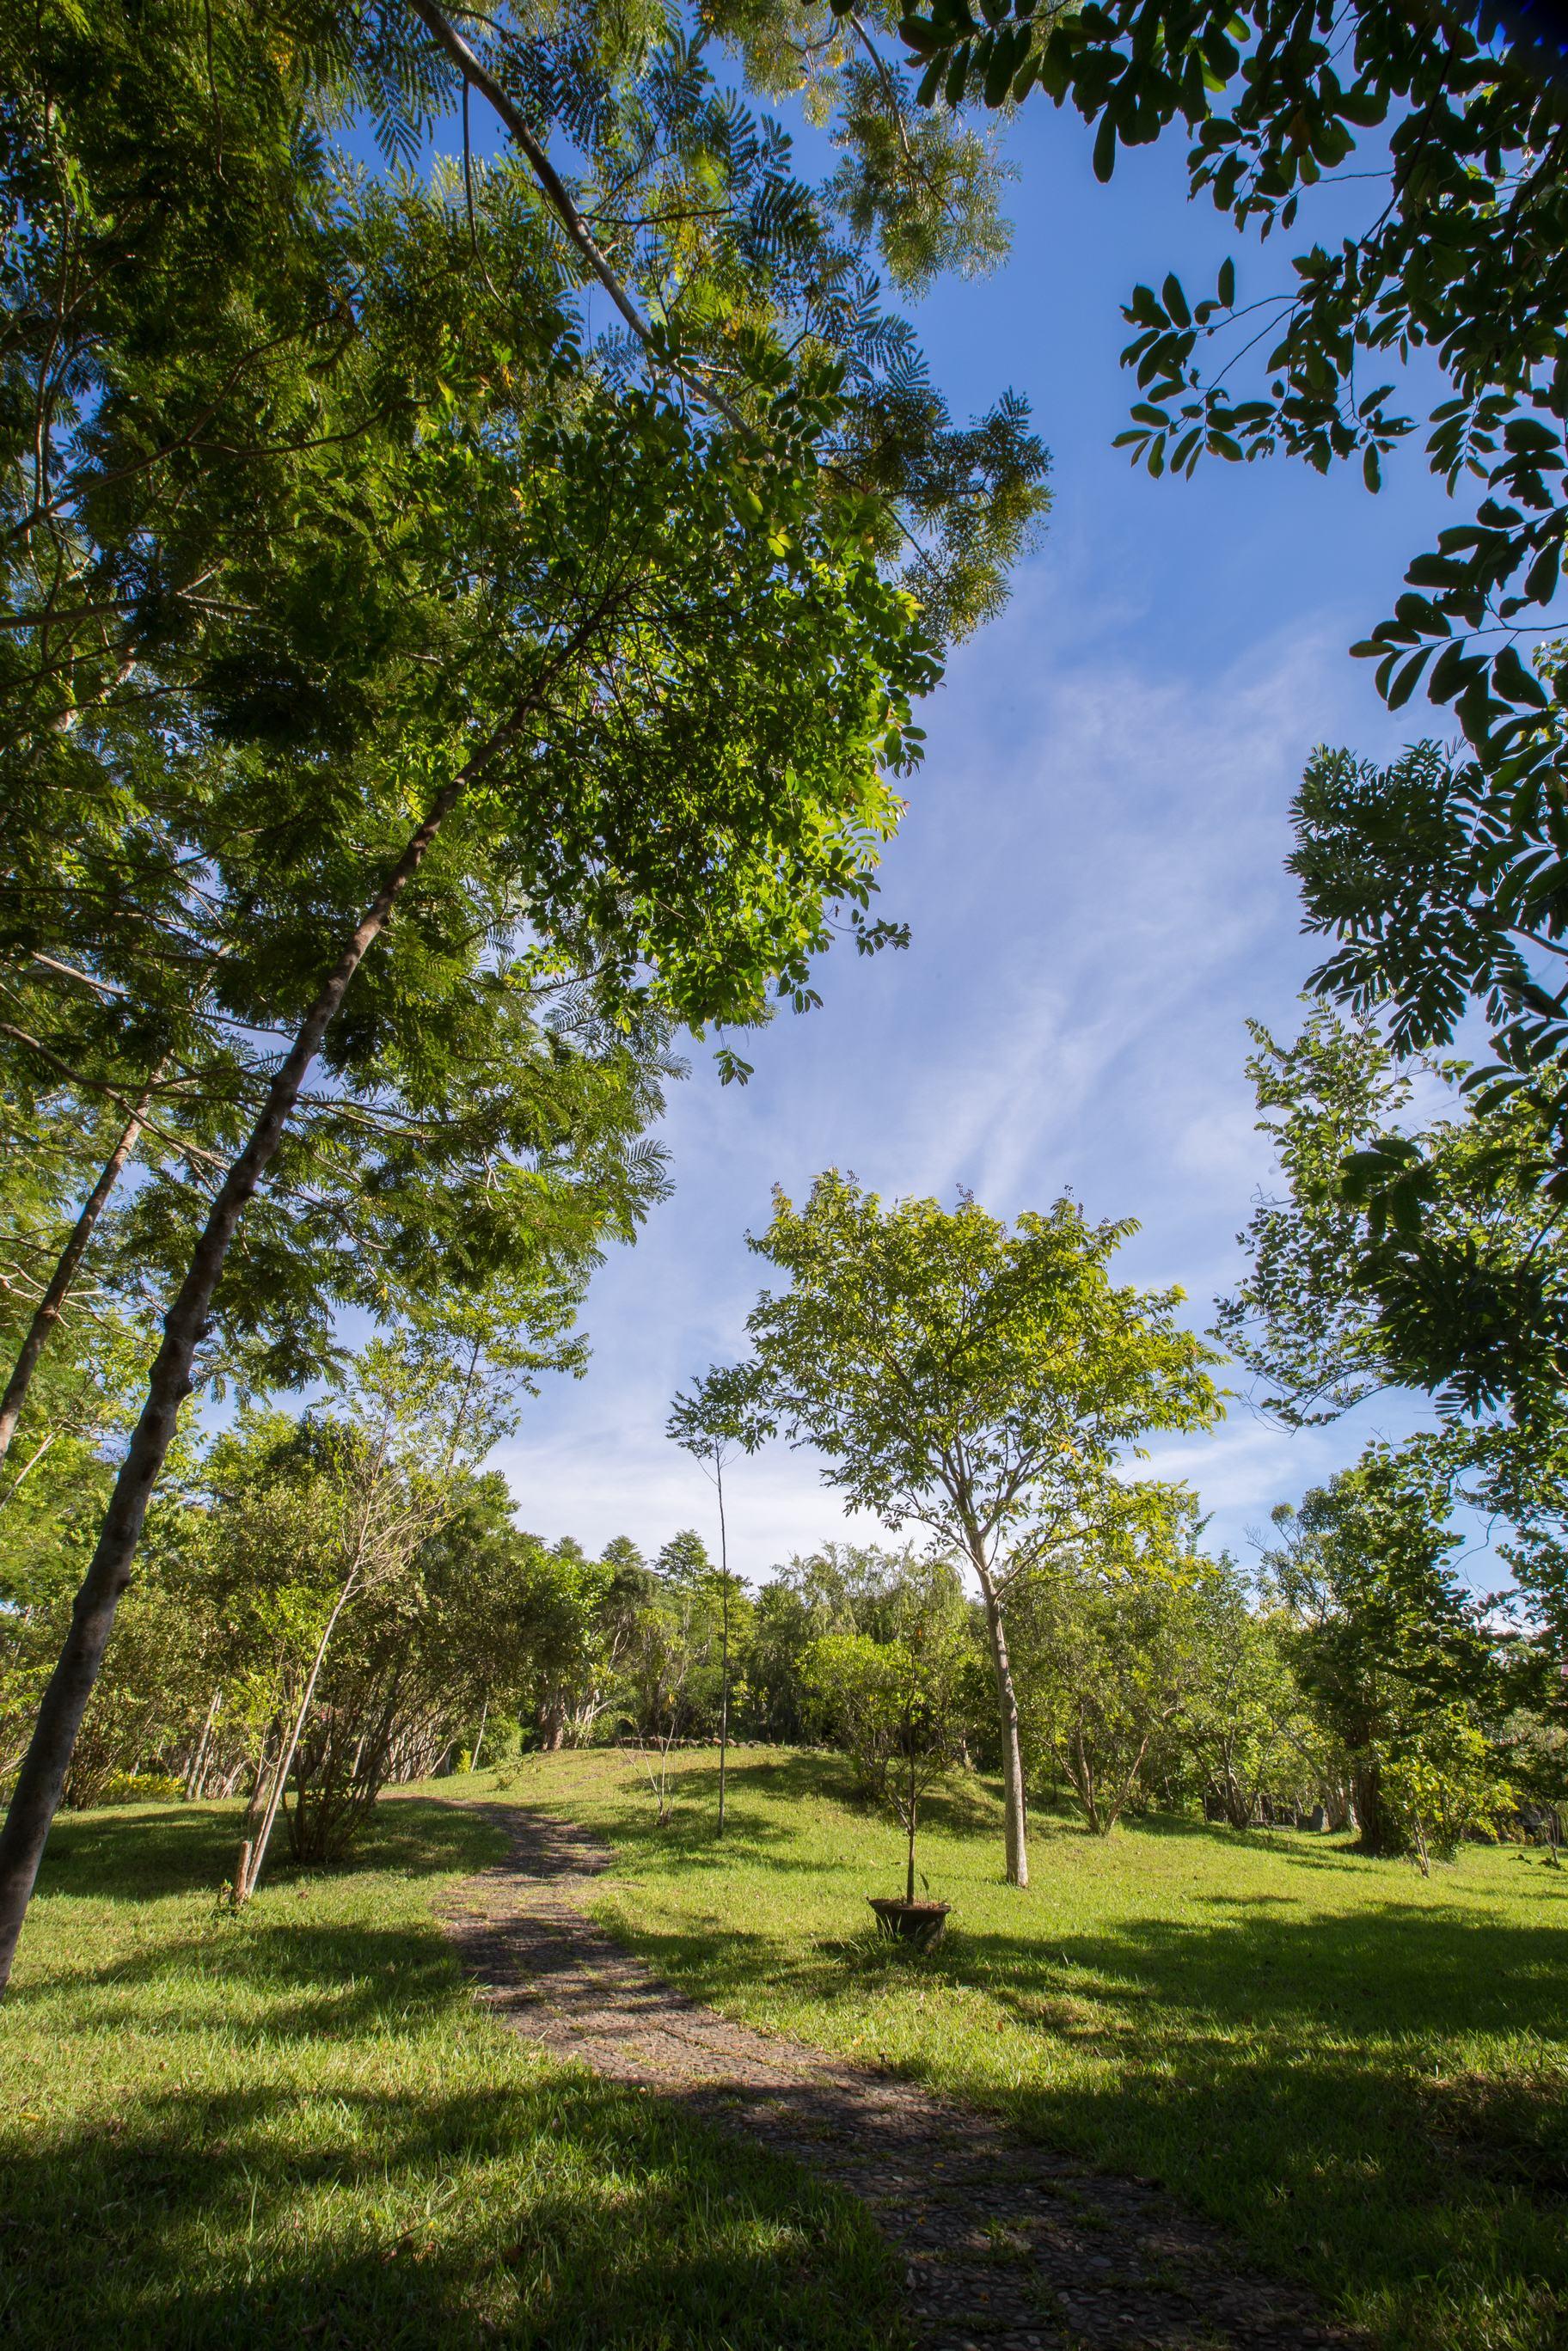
1362,2072
295,2129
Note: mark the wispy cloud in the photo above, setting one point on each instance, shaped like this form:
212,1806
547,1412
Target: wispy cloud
1093,868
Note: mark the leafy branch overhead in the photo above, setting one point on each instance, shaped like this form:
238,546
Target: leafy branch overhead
1460,266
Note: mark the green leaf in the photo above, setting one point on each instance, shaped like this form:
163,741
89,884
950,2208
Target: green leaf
1176,301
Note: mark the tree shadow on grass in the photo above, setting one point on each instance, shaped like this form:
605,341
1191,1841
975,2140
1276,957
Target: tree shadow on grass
565,2212
140,1853
317,1981
1376,2102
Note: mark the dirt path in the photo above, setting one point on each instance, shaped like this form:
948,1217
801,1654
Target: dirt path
1007,2247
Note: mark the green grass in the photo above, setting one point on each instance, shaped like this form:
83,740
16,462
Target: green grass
1360,2071
295,2129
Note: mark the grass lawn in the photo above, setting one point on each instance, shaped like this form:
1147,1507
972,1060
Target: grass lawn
1361,2070
295,2129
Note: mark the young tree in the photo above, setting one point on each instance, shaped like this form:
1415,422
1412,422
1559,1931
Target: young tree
1109,1646
896,1703
725,1414
672,1639
1386,1644
982,1383
838,1588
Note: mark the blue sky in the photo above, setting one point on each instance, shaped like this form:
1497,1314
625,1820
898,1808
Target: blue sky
1092,866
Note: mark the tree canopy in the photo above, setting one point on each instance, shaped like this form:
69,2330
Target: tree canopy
984,1382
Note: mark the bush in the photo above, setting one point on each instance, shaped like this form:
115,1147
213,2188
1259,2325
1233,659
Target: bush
141,1788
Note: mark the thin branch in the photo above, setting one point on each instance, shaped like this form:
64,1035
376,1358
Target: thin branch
449,38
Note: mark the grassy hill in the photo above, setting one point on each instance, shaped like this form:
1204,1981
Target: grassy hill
294,2127
1361,2070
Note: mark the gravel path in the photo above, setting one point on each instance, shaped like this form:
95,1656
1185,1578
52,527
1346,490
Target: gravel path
1007,2246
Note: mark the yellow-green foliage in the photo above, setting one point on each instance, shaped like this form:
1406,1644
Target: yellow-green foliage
1359,2069
294,2128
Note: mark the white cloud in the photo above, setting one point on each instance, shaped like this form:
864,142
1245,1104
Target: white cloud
1093,868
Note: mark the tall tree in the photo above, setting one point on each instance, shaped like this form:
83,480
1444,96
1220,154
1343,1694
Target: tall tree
494,614
1400,1251
1387,1646
983,1382
724,1414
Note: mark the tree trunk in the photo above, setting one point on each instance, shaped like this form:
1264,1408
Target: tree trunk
1378,1837
198,1770
254,1853
1012,1763
913,1809
48,1312
38,1783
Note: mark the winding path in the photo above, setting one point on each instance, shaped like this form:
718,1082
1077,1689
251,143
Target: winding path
1007,2247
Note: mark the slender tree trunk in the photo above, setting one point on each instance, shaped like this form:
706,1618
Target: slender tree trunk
914,1800
254,1854
1012,1763
479,1741
31,1463
723,1668
38,1783
48,1312
197,1771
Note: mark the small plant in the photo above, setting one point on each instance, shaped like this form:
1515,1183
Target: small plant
141,1788
895,1705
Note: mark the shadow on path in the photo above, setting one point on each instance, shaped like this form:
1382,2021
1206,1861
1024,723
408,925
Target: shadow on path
1006,2245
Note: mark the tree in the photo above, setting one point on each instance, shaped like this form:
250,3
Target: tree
1244,1724
838,1588
980,1382
381,1478
1462,235
671,1639
896,1703
1439,1781
1387,1644
1440,874
1426,1259
346,658
723,1413
1108,1646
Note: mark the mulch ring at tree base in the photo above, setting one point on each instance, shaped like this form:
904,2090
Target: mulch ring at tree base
1007,2247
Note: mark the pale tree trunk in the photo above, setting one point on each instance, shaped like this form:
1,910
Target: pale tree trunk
198,1767
252,1854
1007,1702
912,1810
46,1314
479,1743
